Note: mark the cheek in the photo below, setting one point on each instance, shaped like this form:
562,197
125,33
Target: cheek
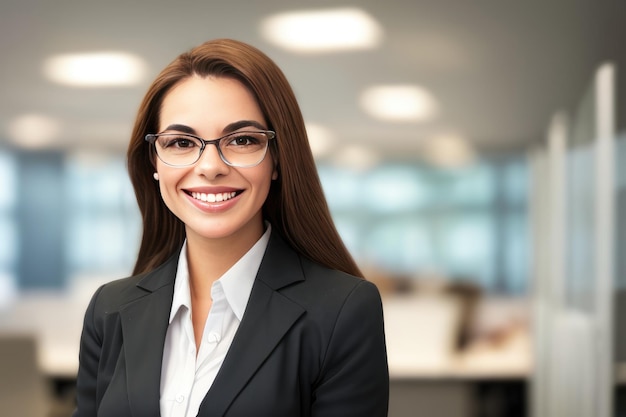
168,180
163,188
274,159
261,180
269,174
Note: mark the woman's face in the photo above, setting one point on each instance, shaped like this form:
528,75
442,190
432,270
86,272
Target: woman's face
208,107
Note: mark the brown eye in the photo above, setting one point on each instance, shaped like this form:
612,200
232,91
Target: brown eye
182,143
245,139
176,142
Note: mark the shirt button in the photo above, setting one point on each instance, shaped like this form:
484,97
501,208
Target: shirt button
180,398
214,337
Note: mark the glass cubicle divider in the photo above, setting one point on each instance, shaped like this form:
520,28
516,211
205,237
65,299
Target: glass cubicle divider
573,241
547,237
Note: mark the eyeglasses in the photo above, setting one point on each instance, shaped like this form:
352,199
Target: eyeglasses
243,149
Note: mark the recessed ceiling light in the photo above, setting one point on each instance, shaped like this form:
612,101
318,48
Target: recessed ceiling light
448,151
399,103
357,157
320,139
95,69
34,131
322,30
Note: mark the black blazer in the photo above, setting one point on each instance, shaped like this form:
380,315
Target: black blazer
311,343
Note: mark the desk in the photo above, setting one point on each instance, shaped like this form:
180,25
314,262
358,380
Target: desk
418,343
427,377
430,378
55,320
421,338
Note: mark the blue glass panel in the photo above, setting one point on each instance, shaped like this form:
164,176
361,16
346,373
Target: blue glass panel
104,226
396,188
516,252
8,243
403,246
468,247
8,228
515,182
97,181
471,186
342,187
8,173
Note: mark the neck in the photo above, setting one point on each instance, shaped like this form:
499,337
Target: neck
209,259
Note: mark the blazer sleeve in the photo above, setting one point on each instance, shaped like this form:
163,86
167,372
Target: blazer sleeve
89,358
355,377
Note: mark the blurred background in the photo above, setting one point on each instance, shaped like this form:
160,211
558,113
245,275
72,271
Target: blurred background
471,154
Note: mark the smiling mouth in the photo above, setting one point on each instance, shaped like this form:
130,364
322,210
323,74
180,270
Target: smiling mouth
213,198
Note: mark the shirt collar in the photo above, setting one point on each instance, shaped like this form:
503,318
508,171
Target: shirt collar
236,283
182,294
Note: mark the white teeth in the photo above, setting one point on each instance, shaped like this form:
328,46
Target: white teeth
212,198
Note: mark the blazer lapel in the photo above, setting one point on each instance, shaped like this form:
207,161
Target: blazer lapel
144,326
269,315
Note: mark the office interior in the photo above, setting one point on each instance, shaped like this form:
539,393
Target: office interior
472,154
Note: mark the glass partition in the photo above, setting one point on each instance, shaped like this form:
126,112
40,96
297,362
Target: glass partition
574,282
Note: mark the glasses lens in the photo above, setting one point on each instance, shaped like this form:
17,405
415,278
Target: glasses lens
241,149
244,148
178,149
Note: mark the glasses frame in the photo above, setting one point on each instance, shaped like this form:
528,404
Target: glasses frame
152,138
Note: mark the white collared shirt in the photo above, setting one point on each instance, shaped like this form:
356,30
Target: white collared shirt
185,376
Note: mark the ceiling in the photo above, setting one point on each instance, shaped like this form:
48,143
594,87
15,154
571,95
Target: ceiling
498,70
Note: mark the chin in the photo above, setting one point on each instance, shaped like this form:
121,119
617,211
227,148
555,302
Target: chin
225,231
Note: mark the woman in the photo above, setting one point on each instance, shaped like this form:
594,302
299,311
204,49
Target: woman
243,301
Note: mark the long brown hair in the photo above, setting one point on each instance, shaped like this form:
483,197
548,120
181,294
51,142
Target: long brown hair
295,205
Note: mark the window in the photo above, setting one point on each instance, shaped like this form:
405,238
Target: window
411,221
103,228
9,243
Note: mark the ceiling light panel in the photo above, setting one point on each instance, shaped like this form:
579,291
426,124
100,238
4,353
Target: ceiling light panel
397,103
320,139
356,157
95,69
34,131
323,30
448,151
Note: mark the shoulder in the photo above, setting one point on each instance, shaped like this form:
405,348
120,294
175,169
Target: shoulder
317,275
329,290
342,314
311,285
114,295
283,265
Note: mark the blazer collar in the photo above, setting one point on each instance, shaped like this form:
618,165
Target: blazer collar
162,276
144,325
281,264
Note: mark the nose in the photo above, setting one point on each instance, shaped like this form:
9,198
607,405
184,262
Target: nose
210,163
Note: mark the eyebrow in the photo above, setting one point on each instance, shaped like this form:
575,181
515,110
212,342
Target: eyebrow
231,127
243,123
